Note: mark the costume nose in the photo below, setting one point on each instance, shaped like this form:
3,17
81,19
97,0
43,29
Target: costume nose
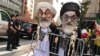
69,20
43,16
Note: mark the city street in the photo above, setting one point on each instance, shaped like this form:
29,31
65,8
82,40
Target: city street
23,50
58,27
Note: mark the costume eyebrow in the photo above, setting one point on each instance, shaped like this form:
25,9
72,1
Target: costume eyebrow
40,11
73,15
47,10
66,15
69,16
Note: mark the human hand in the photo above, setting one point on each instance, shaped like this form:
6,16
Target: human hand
56,40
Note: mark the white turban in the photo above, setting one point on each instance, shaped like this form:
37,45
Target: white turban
46,5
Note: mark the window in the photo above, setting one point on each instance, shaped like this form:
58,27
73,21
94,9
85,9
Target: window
31,5
20,0
4,16
32,1
4,0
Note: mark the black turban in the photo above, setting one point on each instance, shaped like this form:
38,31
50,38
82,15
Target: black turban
70,6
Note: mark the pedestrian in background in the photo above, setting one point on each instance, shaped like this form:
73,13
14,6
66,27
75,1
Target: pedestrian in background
17,27
11,34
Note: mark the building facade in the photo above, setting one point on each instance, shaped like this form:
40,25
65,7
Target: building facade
28,10
24,7
11,6
94,8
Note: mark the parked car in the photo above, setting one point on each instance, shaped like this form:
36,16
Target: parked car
4,17
88,24
27,29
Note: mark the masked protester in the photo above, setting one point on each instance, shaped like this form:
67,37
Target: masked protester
45,13
69,14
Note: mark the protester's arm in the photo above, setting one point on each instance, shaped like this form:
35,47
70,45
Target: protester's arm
12,29
56,37
18,27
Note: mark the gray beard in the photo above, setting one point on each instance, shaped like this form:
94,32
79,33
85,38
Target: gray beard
45,24
68,29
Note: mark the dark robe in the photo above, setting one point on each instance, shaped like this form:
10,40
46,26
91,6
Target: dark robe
54,47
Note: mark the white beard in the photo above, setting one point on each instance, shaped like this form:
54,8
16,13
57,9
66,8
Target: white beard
45,24
68,29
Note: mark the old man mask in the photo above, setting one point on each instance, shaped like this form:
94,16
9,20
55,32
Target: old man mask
45,13
69,16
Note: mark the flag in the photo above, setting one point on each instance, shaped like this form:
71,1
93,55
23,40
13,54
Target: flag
97,25
98,18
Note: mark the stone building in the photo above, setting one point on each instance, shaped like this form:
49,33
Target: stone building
11,6
94,8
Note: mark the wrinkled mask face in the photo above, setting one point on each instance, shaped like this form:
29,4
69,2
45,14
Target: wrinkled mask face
69,22
45,17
